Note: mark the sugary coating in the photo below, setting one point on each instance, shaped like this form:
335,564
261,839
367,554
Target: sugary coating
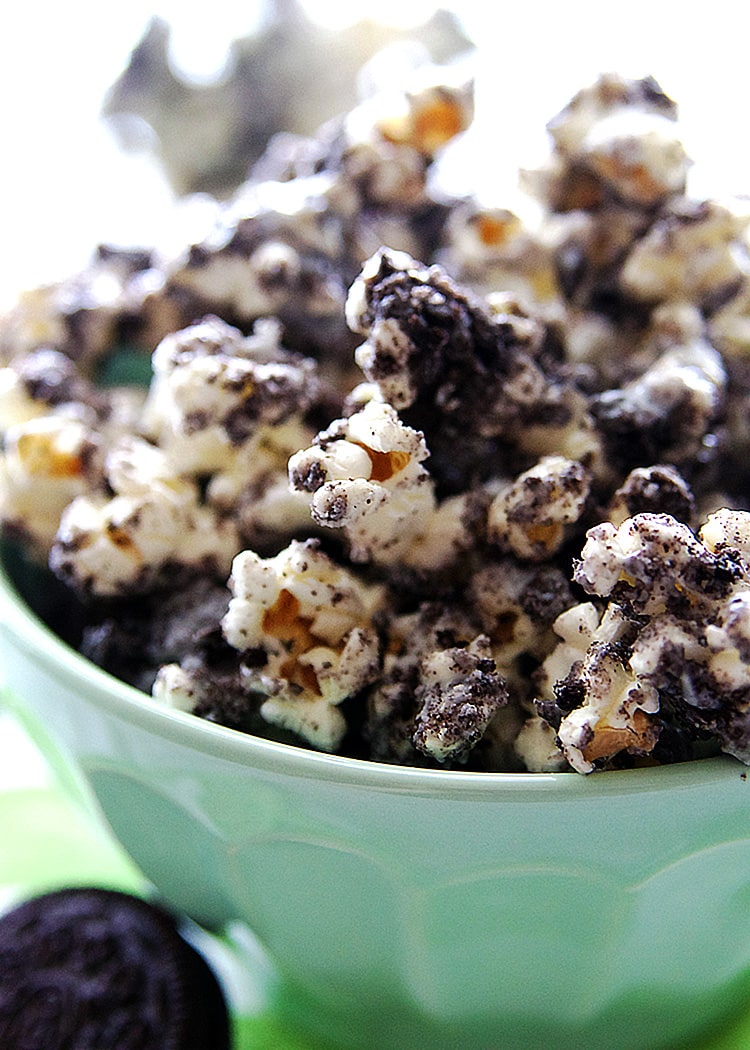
311,622
154,523
365,476
528,517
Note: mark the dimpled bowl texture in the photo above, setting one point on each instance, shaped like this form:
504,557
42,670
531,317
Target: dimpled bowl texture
407,908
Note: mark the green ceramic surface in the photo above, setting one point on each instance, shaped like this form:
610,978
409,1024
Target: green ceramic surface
410,908
48,842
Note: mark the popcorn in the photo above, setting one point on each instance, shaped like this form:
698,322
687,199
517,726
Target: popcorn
692,252
313,623
615,139
528,517
653,563
656,490
493,249
611,708
365,476
215,391
666,413
42,468
415,478
435,658
434,351
153,524
673,643
457,695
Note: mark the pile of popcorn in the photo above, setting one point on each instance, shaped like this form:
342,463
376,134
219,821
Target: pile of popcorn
415,479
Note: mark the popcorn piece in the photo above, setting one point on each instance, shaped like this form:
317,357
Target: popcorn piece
653,563
727,532
605,708
209,688
153,524
516,605
652,490
609,94
83,315
680,666
45,464
692,252
536,746
492,249
270,254
436,110
457,696
445,533
421,328
529,516
312,621
365,476
615,138
43,379
638,155
664,415
214,390
412,640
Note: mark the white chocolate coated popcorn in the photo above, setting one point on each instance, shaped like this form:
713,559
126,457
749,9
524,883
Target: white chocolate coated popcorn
416,425
312,620
154,523
528,516
366,477
42,468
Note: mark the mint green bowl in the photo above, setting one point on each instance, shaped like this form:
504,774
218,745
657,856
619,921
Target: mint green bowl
405,908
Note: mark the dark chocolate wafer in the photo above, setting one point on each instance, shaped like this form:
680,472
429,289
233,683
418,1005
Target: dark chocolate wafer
95,969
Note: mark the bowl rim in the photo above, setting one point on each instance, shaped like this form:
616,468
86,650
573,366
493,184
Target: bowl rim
38,644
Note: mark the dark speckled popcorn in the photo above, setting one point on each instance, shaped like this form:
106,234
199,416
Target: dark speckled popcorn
415,479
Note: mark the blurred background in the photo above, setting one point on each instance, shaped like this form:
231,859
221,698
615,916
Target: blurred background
71,178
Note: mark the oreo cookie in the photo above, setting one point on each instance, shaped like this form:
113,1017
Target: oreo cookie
96,969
